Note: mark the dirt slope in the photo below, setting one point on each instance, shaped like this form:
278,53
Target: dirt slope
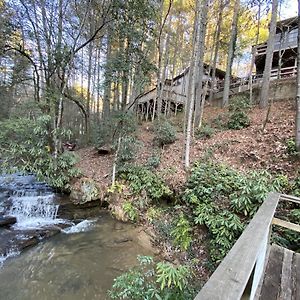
245,149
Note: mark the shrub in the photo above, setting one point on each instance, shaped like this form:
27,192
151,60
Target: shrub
153,161
223,225
214,190
119,124
141,179
130,211
238,120
128,149
205,132
169,275
153,214
219,122
182,233
138,283
291,148
209,182
253,189
152,280
238,108
25,147
165,133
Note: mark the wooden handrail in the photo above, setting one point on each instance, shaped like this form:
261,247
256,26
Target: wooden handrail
230,279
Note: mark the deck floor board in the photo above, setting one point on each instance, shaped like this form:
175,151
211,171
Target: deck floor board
282,275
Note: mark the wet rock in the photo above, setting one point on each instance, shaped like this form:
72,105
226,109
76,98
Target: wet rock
118,226
71,211
123,240
19,240
118,212
85,191
7,220
26,242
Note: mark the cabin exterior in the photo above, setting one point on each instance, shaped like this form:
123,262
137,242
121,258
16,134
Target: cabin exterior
174,93
285,51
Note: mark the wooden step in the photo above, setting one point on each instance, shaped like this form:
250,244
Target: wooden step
282,275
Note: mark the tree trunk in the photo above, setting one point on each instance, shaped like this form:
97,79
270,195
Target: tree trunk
298,86
253,53
162,77
107,83
264,96
217,46
159,86
231,51
192,84
199,62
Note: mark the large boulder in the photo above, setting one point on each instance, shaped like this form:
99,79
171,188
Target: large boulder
85,191
7,220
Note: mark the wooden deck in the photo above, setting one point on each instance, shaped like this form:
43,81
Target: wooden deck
282,275
172,101
253,269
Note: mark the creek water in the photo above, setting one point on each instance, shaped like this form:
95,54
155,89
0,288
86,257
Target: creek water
78,263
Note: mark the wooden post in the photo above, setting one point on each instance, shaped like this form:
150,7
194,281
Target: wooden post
147,111
176,107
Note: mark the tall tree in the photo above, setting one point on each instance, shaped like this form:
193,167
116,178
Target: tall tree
298,86
199,63
264,95
161,68
217,45
191,93
231,49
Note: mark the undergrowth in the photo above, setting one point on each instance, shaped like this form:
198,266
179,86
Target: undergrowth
224,199
142,179
150,280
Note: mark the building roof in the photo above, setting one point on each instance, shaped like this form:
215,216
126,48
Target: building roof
287,23
219,73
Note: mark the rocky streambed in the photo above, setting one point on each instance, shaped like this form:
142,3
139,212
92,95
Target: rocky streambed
86,251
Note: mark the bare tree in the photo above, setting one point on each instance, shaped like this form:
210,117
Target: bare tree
160,74
298,86
217,46
231,49
199,63
192,83
264,95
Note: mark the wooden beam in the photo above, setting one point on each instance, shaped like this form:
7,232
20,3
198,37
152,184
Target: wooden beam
290,198
286,224
229,280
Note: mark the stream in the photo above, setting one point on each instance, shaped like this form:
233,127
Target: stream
75,259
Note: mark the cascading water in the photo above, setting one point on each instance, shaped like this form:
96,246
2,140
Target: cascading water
31,202
78,264
32,206
34,211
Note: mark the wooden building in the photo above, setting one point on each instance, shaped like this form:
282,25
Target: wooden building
285,50
174,93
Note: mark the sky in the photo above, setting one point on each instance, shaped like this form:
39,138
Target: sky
289,9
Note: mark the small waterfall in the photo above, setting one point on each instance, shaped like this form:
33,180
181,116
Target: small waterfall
34,211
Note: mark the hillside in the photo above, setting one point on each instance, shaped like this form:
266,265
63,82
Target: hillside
244,149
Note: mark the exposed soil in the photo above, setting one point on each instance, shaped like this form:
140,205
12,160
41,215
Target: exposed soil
244,149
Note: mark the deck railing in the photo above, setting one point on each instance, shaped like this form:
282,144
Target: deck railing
243,84
236,86
247,257
281,43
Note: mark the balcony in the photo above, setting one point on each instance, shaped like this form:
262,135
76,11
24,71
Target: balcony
286,41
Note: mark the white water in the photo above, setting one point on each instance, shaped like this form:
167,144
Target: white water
34,211
83,226
11,253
